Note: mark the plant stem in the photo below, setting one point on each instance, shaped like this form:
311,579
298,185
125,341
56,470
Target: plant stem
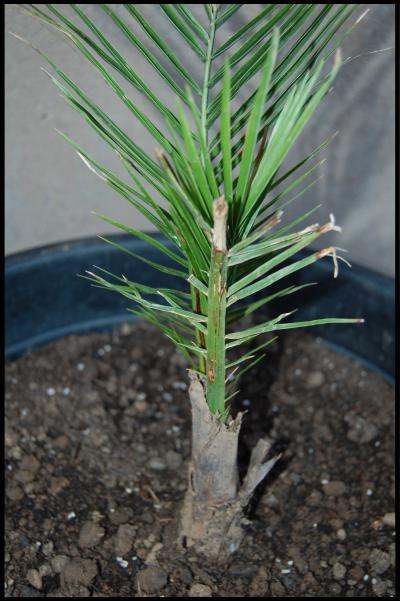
200,309
197,299
207,67
217,310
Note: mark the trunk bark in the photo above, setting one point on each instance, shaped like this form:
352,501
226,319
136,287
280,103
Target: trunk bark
213,512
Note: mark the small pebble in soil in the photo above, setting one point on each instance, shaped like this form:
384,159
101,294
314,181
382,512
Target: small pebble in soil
339,571
389,519
377,524
79,571
379,561
152,579
58,562
120,515
124,539
335,488
157,464
90,534
47,549
45,570
315,379
34,578
200,590
360,429
51,391
140,406
380,587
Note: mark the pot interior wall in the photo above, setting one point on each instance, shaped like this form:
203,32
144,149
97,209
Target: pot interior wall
45,298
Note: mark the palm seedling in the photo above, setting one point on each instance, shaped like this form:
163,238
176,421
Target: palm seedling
221,173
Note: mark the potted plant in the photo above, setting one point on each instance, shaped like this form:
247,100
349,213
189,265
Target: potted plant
220,173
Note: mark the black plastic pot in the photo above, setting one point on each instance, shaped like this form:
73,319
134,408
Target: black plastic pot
46,300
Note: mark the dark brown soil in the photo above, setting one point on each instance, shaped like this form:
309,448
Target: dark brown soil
97,438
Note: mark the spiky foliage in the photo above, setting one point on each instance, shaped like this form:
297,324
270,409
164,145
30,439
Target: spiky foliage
219,169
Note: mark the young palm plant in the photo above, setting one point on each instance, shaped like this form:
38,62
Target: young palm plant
220,172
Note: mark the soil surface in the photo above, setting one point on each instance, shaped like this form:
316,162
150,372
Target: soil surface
97,439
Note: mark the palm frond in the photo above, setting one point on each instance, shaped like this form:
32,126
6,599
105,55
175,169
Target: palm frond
222,167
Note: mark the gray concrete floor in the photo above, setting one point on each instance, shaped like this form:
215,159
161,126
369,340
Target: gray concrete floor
50,193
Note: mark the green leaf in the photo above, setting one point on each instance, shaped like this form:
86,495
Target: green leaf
251,67
226,137
258,58
179,295
142,236
114,57
255,119
148,55
273,277
195,162
198,284
227,14
251,353
202,137
250,333
243,30
163,268
255,305
291,68
317,322
292,120
183,30
163,46
194,24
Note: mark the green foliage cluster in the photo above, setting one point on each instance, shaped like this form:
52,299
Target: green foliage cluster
213,154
